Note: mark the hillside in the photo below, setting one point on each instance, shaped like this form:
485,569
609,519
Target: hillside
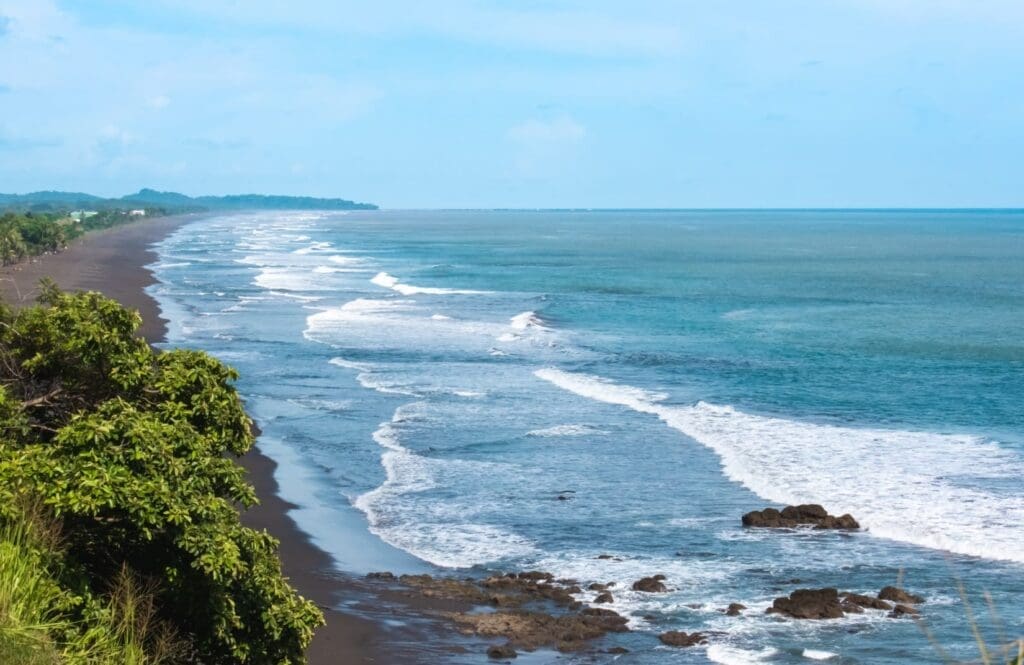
173,201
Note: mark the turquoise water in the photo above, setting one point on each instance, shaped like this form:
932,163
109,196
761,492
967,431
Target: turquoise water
433,381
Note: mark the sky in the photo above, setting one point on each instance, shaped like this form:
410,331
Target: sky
527,103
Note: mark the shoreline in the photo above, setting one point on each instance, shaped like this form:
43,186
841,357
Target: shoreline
113,261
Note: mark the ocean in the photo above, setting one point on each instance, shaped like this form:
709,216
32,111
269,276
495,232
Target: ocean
433,382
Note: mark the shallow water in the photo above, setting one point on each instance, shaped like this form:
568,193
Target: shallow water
432,381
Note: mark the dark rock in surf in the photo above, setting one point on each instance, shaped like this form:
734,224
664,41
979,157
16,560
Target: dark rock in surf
501,651
864,601
735,609
809,604
902,611
897,595
677,638
650,584
794,516
604,597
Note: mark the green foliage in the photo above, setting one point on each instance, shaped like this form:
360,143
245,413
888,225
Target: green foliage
31,234
44,623
130,450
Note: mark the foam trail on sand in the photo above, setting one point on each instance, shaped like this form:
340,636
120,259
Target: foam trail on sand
436,536
788,462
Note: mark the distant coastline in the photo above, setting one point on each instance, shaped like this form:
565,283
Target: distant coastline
172,202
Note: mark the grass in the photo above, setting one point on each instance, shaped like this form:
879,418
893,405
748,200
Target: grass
38,624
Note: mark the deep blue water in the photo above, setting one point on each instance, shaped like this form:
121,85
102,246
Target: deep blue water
431,381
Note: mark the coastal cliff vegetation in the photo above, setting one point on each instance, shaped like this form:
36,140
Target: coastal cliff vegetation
120,535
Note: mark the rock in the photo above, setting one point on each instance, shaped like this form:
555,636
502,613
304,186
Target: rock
650,585
735,609
902,610
809,604
532,630
791,516
501,651
380,576
897,595
617,650
536,576
865,601
598,587
677,638
851,608
604,597
605,556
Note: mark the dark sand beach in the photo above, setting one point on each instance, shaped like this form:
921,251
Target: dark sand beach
113,262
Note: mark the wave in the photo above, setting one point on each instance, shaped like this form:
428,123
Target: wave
368,379
916,487
527,320
314,247
727,655
817,654
389,282
397,518
288,279
567,430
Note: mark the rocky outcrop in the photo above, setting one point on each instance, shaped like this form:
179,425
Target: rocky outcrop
898,595
809,604
523,614
794,516
604,597
650,584
859,600
501,652
532,630
829,604
902,611
735,609
677,638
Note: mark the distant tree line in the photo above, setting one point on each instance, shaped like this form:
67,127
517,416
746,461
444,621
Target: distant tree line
26,234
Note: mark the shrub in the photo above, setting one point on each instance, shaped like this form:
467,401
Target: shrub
130,450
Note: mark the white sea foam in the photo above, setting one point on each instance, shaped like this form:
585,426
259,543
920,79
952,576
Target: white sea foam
527,320
288,279
816,654
728,655
389,282
315,247
919,474
567,430
433,535
440,317
372,380
346,260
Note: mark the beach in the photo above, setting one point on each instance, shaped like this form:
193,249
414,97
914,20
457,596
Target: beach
468,393
113,261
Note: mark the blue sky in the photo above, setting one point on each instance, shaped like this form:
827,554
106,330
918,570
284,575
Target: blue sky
529,103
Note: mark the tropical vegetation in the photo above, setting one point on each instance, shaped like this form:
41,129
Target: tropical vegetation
119,500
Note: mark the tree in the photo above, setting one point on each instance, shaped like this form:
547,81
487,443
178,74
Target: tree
131,450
